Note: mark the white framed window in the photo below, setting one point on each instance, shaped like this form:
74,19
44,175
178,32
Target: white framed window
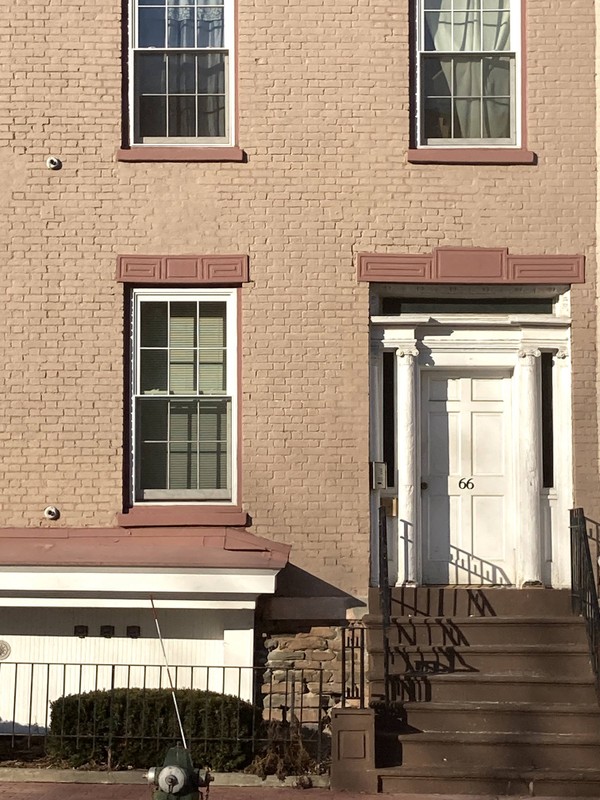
184,395
181,72
468,63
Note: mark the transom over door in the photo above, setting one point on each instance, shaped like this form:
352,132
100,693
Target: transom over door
466,478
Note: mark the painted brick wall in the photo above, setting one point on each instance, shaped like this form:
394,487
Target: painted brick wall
324,119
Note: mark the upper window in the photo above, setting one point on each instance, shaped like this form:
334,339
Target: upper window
184,403
181,67
467,66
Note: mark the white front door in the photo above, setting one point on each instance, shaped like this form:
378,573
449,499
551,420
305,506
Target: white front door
466,478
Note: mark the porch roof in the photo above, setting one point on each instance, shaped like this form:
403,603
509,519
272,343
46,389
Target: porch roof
169,547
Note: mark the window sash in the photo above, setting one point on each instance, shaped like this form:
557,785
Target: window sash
178,444
183,118
467,118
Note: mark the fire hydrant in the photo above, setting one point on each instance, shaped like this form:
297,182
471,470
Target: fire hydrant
177,777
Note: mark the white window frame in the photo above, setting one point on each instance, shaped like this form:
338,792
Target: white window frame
515,52
230,298
230,95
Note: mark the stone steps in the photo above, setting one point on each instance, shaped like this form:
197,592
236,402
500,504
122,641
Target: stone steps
493,690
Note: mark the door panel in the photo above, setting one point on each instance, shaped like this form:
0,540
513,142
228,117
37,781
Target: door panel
466,475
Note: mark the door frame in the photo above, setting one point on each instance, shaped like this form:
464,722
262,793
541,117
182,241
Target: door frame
512,342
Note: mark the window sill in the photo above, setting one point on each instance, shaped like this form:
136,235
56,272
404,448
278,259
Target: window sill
167,153
470,155
154,516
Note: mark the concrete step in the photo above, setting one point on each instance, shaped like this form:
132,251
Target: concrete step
469,601
515,750
475,687
476,630
445,780
544,660
493,716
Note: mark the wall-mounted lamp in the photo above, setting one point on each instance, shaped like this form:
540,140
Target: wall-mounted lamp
108,631
81,631
133,631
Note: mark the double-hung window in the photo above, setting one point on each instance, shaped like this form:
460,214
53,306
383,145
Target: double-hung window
181,68
184,403
467,68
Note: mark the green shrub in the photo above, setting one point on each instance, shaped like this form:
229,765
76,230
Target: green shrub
134,728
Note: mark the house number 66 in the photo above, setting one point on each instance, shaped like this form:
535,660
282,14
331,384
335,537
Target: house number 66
465,483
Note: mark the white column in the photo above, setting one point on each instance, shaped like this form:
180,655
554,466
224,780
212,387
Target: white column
406,459
529,470
375,446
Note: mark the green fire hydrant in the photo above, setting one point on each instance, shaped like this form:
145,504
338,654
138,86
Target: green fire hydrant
177,777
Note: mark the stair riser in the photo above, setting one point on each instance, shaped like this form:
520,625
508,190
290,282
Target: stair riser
547,665
447,635
427,601
428,784
502,720
446,691
515,756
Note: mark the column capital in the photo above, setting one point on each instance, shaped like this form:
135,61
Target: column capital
408,353
529,352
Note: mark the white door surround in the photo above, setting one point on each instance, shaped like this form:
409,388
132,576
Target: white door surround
471,345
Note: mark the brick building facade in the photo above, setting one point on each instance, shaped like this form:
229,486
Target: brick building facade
318,162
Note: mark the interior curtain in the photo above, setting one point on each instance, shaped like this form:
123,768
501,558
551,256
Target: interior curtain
465,37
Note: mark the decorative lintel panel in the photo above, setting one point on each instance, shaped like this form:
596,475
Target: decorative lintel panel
218,270
482,265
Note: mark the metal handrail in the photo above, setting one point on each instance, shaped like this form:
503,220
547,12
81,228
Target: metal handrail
583,584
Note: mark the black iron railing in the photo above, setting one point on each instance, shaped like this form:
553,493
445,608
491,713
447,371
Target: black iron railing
267,708
353,665
584,581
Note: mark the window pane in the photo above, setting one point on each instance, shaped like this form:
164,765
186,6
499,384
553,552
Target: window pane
151,27
467,119
183,466
210,27
466,34
211,372
467,78
214,420
438,31
182,115
500,5
437,76
433,5
212,325
496,77
210,2
153,326
211,116
183,422
153,368
183,325
496,30
438,118
153,419
214,466
151,73
462,5
180,27
211,73
496,118
182,73
153,467
151,2
182,372
153,116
